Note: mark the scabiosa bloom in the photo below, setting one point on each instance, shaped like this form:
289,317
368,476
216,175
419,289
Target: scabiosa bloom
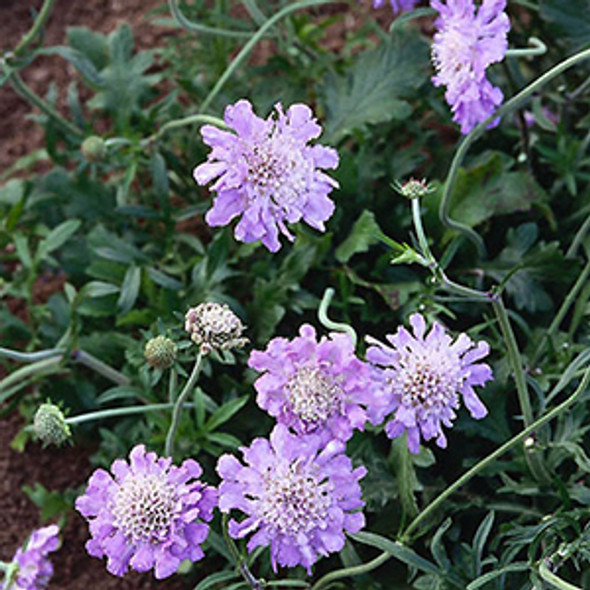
299,495
425,375
30,568
316,386
465,44
151,514
397,5
267,173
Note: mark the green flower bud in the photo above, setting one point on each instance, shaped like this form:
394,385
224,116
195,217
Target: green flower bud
94,149
413,188
49,425
160,352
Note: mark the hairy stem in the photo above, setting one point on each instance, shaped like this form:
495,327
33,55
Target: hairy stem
29,37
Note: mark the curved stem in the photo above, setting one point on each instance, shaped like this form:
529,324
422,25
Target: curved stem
115,412
536,47
43,105
241,56
328,323
240,563
29,357
355,570
254,11
44,366
189,25
579,237
468,475
514,103
37,26
555,581
90,361
202,119
178,405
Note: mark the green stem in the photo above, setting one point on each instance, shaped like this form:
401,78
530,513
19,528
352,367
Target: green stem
579,237
240,563
536,47
565,306
254,11
178,405
241,56
420,234
37,368
328,323
29,357
555,581
37,25
202,119
189,25
355,570
43,105
115,412
90,361
468,475
514,103
514,359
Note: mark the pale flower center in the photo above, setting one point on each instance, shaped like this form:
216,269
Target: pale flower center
294,499
313,396
144,506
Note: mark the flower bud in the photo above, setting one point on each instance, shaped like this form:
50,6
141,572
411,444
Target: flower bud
413,188
212,325
49,425
94,148
160,352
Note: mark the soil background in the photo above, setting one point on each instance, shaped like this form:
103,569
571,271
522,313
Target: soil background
69,468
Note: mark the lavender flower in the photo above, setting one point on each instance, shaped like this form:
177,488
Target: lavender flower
425,376
30,568
316,386
299,495
465,44
151,514
267,173
397,5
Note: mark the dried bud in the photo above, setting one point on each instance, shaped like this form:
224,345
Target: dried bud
212,325
413,189
49,425
160,352
94,149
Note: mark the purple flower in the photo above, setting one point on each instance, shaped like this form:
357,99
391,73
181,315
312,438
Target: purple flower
299,495
465,44
425,376
30,569
316,386
267,173
397,5
149,515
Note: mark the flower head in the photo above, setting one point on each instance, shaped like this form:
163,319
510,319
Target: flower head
426,375
214,326
316,386
299,495
467,41
397,5
147,514
30,568
267,173
50,426
160,352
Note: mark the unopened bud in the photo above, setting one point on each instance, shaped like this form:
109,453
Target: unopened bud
160,352
49,425
94,148
212,325
413,188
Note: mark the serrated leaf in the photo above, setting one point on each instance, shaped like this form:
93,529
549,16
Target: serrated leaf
91,44
79,61
372,90
364,233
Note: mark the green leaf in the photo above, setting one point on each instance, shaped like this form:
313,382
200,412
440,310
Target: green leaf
399,551
79,61
215,579
91,44
163,279
519,566
480,538
95,289
225,412
121,392
371,91
56,238
129,289
22,250
570,21
365,232
52,503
